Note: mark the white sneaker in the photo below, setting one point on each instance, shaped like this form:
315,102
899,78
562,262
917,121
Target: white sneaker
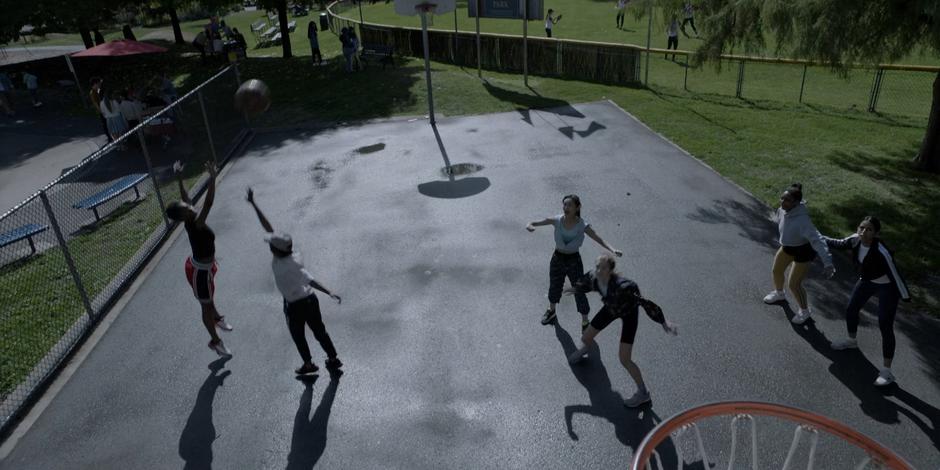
220,348
775,296
638,398
885,377
801,317
847,343
577,356
222,324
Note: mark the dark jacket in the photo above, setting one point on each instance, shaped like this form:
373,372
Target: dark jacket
879,261
623,296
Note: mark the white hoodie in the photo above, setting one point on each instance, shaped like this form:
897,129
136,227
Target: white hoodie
797,229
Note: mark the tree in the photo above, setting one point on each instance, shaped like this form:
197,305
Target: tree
281,7
837,33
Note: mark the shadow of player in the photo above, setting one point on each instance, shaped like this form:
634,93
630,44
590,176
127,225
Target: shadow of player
309,438
631,425
195,445
858,374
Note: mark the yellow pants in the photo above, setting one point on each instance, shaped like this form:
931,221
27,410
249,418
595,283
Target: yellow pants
797,274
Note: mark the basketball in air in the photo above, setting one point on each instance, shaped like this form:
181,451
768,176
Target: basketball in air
253,97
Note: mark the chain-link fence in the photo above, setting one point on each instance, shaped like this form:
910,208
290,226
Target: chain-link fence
577,60
67,252
889,89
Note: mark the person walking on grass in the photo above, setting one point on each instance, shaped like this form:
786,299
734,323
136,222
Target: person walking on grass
32,84
622,299
300,300
570,230
314,43
800,244
878,275
672,37
201,266
550,21
688,11
621,10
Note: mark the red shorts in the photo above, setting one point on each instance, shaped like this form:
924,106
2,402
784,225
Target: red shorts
201,278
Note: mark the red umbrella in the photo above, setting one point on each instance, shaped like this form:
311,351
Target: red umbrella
120,47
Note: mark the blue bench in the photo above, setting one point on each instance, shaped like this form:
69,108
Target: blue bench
26,231
128,182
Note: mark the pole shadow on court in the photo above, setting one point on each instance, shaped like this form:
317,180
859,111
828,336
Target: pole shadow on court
631,425
195,445
308,440
452,188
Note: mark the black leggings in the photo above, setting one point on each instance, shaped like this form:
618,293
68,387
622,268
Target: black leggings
690,21
887,307
570,266
307,311
620,18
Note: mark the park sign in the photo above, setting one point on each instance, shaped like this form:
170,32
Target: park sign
507,9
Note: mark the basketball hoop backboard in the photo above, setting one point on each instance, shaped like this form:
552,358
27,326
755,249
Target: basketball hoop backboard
413,7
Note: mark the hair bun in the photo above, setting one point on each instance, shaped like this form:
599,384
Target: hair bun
797,186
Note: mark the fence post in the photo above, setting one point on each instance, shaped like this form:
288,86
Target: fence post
737,93
685,81
153,178
68,256
875,90
205,119
803,82
558,55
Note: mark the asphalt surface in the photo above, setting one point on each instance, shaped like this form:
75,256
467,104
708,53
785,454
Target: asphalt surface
447,365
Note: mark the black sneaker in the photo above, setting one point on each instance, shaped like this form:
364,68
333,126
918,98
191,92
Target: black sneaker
334,363
548,317
307,369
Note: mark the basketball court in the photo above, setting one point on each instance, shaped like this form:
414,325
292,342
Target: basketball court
447,365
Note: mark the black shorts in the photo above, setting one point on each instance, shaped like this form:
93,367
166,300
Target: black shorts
802,253
606,316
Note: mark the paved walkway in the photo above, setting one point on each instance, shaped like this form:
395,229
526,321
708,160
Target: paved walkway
447,365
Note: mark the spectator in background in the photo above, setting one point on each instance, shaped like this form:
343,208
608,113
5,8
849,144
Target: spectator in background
621,11
550,21
672,33
99,38
689,12
348,50
4,105
32,84
7,86
131,108
95,96
226,30
167,88
314,43
111,110
354,43
240,40
200,42
128,33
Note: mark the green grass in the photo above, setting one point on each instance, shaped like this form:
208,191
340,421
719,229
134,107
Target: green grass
40,302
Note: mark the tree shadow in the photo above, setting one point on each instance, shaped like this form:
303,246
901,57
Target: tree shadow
195,446
631,425
309,437
533,101
753,219
857,374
